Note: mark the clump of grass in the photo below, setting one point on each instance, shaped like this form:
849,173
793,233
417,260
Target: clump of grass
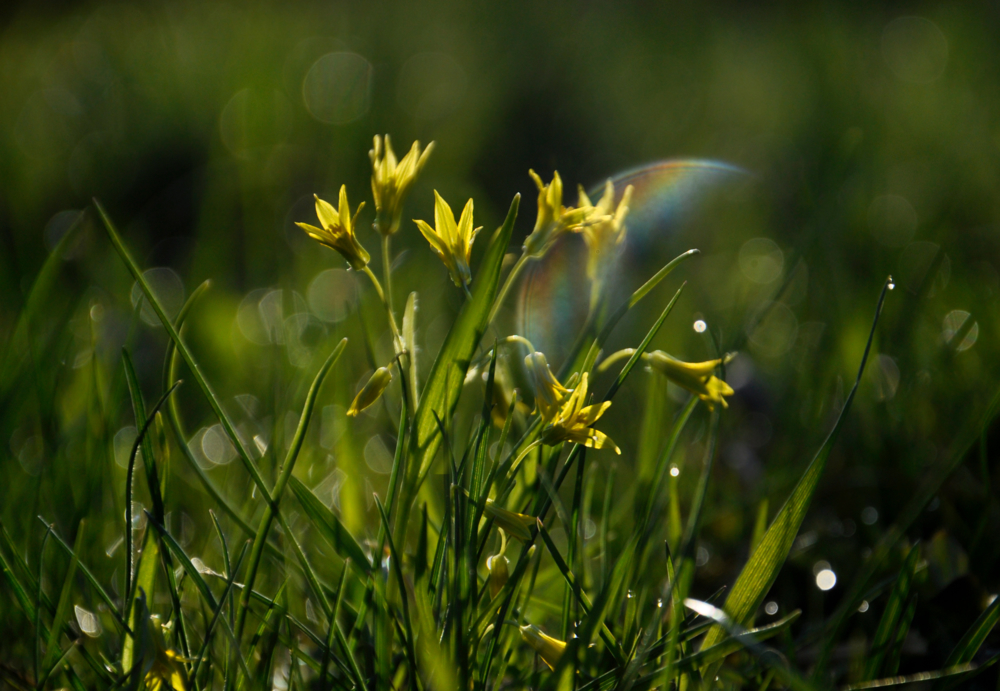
466,583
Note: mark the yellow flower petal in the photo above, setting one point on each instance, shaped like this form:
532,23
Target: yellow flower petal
548,648
391,180
697,377
337,230
451,241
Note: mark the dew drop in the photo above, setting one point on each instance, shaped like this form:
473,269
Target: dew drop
700,326
771,608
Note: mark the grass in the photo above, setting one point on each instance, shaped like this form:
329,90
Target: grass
304,597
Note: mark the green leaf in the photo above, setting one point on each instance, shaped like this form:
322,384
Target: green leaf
410,341
330,527
894,607
762,569
145,581
447,375
974,637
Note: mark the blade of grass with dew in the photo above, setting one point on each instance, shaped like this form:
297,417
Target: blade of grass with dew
447,374
894,607
970,643
698,660
274,500
582,360
761,570
964,441
788,676
581,597
59,619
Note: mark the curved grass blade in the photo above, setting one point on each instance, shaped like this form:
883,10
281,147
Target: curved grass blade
922,678
331,528
762,569
885,634
63,608
213,399
218,611
257,551
974,637
768,659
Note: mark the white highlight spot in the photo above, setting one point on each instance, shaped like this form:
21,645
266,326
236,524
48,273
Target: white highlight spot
700,326
826,579
771,608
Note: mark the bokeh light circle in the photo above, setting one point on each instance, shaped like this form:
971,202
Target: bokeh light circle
915,49
955,324
337,88
168,288
761,260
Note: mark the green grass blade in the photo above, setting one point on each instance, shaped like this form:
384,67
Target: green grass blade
762,569
145,581
397,569
217,612
447,374
620,379
920,679
330,527
213,399
974,637
272,507
63,608
960,448
895,605
94,583
790,678
891,664
38,298
410,339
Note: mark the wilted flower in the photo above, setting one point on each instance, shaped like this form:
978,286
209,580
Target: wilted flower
548,648
450,241
391,181
697,377
564,410
337,230
517,524
553,218
371,391
605,236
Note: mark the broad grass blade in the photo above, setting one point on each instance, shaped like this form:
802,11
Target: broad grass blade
330,527
761,570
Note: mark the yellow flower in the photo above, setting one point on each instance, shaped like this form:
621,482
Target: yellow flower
450,241
607,234
553,218
697,377
391,181
337,231
371,391
548,648
167,672
517,524
569,419
549,393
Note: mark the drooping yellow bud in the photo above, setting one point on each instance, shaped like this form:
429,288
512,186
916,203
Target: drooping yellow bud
697,377
371,391
517,524
391,181
548,648
499,573
337,231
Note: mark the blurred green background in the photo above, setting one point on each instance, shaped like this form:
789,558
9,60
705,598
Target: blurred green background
870,137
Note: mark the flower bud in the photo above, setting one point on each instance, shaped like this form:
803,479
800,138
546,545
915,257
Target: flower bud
372,391
499,573
548,648
516,524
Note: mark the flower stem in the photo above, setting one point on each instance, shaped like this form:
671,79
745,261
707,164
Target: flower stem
387,271
511,279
